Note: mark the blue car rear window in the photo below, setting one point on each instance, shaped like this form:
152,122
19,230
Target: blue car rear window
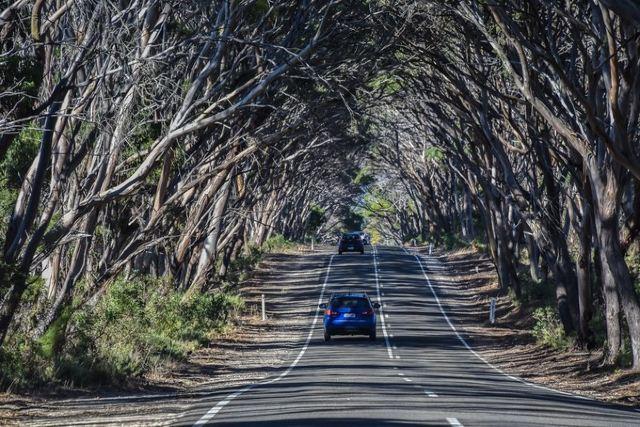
350,302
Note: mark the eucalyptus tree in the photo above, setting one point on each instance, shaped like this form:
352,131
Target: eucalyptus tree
171,134
533,108
576,66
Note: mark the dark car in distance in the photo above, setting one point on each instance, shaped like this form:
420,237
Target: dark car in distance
350,314
350,242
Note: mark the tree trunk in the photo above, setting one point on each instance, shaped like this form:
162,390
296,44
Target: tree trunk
617,283
535,270
210,246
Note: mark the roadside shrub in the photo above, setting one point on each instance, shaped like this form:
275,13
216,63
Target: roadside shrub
240,267
625,358
14,366
453,241
138,325
277,243
538,293
548,330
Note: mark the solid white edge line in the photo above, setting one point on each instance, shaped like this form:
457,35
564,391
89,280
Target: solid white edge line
214,410
468,347
454,422
382,314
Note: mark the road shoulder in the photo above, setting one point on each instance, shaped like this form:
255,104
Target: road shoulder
466,287
251,351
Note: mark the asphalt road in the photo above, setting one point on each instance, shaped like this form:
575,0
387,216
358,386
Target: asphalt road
419,371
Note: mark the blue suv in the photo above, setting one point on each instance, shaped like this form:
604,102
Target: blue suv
350,314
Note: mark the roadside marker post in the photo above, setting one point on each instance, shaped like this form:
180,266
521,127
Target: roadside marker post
430,248
264,315
492,311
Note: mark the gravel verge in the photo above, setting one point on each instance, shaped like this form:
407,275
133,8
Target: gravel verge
249,352
466,288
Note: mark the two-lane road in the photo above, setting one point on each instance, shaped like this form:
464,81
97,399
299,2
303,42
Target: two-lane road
418,372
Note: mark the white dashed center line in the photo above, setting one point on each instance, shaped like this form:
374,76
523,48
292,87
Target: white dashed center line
206,418
382,314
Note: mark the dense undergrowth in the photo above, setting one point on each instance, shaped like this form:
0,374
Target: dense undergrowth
138,325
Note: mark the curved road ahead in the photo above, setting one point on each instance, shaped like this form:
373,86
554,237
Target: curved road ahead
418,372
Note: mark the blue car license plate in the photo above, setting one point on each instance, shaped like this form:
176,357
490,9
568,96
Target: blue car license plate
349,247
349,315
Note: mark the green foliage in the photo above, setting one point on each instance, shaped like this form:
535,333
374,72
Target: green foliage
22,76
136,326
548,329
53,339
625,357
453,241
7,202
315,220
257,10
377,204
277,243
417,238
632,258
243,264
435,154
532,292
375,235
13,168
389,84
19,157
364,177
15,366
353,220
143,137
